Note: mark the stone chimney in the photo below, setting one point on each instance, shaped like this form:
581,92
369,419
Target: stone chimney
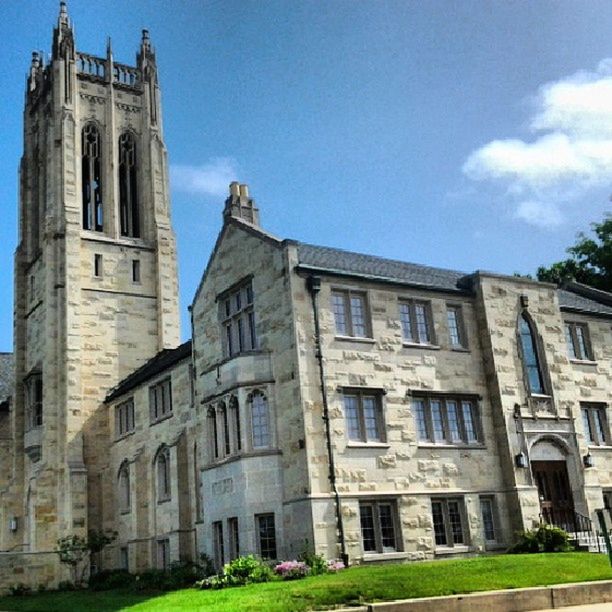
240,206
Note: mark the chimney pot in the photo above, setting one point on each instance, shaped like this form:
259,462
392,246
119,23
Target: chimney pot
234,188
244,190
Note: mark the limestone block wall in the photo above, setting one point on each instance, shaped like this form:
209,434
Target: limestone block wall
402,468
243,252
556,416
150,518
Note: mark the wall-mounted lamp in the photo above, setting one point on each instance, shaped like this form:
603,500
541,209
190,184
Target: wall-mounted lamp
588,460
13,523
520,460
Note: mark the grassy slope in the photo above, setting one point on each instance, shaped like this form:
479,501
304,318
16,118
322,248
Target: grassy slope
359,584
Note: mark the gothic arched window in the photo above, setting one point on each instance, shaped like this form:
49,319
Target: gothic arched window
123,482
162,464
235,419
128,187
260,420
212,432
531,358
225,429
91,173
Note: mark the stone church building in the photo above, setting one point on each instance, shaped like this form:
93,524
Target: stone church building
332,401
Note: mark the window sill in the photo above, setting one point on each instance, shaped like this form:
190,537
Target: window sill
127,434
355,444
585,362
460,349
123,240
452,550
419,345
125,512
603,447
161,419
164,500
245,455
462,446
361,339
390,556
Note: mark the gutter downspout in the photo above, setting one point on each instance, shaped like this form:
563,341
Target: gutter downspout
314,286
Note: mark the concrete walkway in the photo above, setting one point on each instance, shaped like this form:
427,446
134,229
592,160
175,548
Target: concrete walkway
601,607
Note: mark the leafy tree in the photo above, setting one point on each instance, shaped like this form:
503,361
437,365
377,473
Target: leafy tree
590,260
74,551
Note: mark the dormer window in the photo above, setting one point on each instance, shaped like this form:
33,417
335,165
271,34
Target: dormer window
531,359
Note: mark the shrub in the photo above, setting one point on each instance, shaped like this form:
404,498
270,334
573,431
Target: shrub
20,589
317,563
545,538
246,570
335,565
107,580
240,571
151,580
291,570
66,585
183,574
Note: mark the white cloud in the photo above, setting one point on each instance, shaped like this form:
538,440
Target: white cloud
541,214
209,179
571,151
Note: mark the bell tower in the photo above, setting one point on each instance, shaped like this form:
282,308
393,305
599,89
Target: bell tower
96,291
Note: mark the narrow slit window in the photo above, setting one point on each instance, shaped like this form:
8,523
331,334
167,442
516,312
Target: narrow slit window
98,265
136,270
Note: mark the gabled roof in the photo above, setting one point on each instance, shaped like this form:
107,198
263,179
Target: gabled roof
162,361
347,263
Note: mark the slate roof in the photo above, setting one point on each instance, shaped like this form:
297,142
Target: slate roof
377,268
572,301
162,361
6,375
338,261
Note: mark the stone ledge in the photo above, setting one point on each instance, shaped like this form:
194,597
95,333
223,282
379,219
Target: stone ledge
514,600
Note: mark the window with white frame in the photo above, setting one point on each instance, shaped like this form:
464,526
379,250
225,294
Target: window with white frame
260,420
266,535
364,415
124,418
595,423
162,465
416,320
447,419
456,326
351,315
448,516
379,526
160,400
237,318
578,341
34,395
123,482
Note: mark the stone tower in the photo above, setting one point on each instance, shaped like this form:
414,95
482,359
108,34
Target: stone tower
95,278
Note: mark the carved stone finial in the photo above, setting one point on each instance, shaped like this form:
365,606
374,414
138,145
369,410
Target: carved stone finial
63,16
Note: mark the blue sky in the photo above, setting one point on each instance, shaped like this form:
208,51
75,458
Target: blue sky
466,134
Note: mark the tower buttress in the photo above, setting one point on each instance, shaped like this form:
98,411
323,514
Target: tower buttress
96,290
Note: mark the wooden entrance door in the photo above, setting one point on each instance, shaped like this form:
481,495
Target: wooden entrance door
556,503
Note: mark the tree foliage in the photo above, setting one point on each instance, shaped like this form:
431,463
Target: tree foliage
75,550
590,260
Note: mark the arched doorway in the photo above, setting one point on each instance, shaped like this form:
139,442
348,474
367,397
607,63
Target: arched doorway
549,468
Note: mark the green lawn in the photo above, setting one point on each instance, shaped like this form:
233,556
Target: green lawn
351,586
